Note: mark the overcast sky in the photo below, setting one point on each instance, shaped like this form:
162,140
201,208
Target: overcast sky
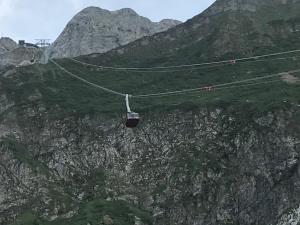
34,19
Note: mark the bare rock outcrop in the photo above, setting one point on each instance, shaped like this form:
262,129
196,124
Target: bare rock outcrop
11,54
7,44
95,30
20,56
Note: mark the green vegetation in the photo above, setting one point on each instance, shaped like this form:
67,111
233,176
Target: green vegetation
59,89
94,212
23,155
27,218
93,209
255,31
72,96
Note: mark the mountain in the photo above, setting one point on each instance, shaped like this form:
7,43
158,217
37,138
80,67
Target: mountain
11,54
21,56
7,44
223,155
226,28
95,30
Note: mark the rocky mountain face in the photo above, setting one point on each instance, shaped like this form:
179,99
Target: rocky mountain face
7,44
21,56
226,156
227,28
203,167
96,30
11,54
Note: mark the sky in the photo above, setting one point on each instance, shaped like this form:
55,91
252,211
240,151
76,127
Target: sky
45,19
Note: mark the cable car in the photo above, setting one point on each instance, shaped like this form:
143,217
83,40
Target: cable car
132,117
232,62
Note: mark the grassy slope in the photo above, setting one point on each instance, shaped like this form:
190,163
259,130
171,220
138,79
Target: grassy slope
57,88
93,213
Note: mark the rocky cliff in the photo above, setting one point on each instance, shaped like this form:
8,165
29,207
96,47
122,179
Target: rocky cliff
197,167
96,30
21,56
7,44
11,54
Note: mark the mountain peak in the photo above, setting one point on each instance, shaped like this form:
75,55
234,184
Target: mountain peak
92,10
168,21
128,11
7,44
96,30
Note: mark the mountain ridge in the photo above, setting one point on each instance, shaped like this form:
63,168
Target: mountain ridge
96,30
7,44
232,37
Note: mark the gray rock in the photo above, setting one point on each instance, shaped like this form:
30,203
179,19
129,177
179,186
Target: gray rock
238,175
95,30
11,54
291,218
21,56
7,44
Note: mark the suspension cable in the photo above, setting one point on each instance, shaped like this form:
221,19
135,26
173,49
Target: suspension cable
185,69
184,91
87,82
187,65
213,86
208,89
